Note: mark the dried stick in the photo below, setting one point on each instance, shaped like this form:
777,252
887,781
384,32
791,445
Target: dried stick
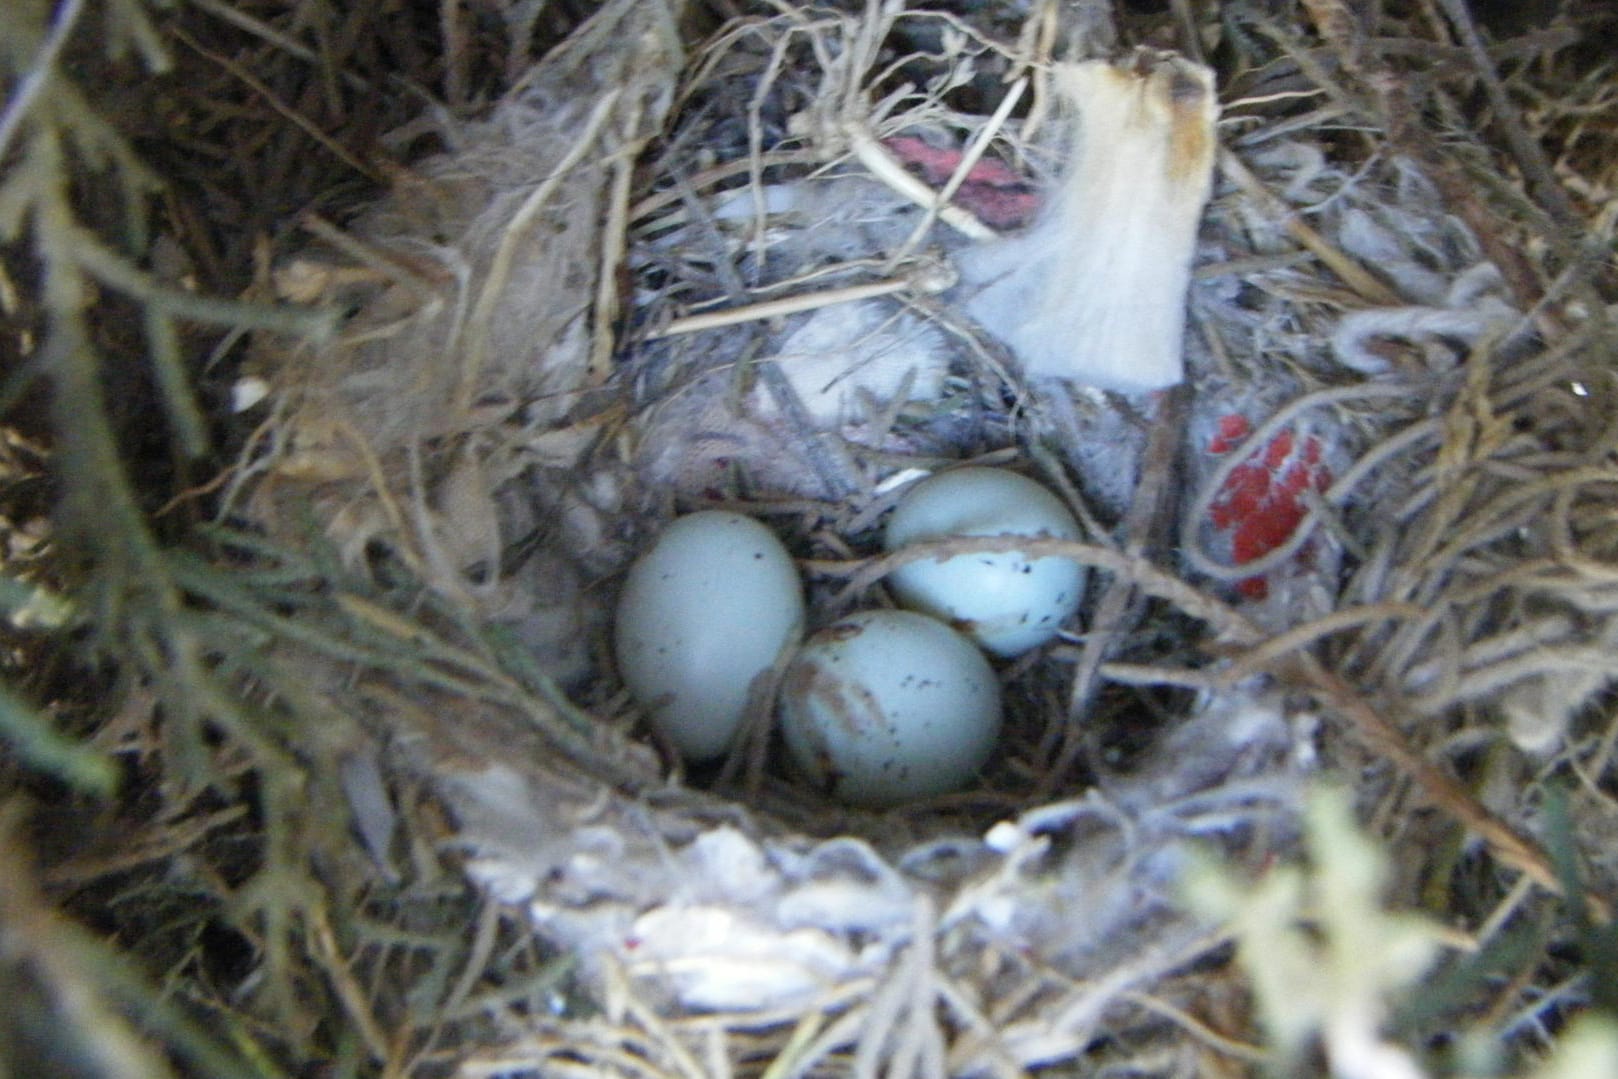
298,119
516,233
969,159
929,279
1107,623
1529,154
614,248
884,167
1396,114
1381,736
1353,275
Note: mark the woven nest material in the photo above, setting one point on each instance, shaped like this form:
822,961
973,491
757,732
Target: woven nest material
524,390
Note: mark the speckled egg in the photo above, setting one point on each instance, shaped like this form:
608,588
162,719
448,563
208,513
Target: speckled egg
885,707
706,611
1006,602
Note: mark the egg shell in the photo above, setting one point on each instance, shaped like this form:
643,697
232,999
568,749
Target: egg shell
706,610
886,707
1006,602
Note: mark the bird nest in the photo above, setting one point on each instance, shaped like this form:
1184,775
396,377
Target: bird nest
1334,716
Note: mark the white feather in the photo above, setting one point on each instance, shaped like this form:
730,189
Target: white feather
1095,291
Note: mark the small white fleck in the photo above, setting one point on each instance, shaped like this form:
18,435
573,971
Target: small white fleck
1003,837
248,392
900,478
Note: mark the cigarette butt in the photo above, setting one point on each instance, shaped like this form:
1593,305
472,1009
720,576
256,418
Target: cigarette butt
1095,291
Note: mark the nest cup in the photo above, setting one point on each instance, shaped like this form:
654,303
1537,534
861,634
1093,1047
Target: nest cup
1327,553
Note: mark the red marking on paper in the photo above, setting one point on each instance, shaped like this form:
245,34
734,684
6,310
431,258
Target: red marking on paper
1233,427
1262,502
993,192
